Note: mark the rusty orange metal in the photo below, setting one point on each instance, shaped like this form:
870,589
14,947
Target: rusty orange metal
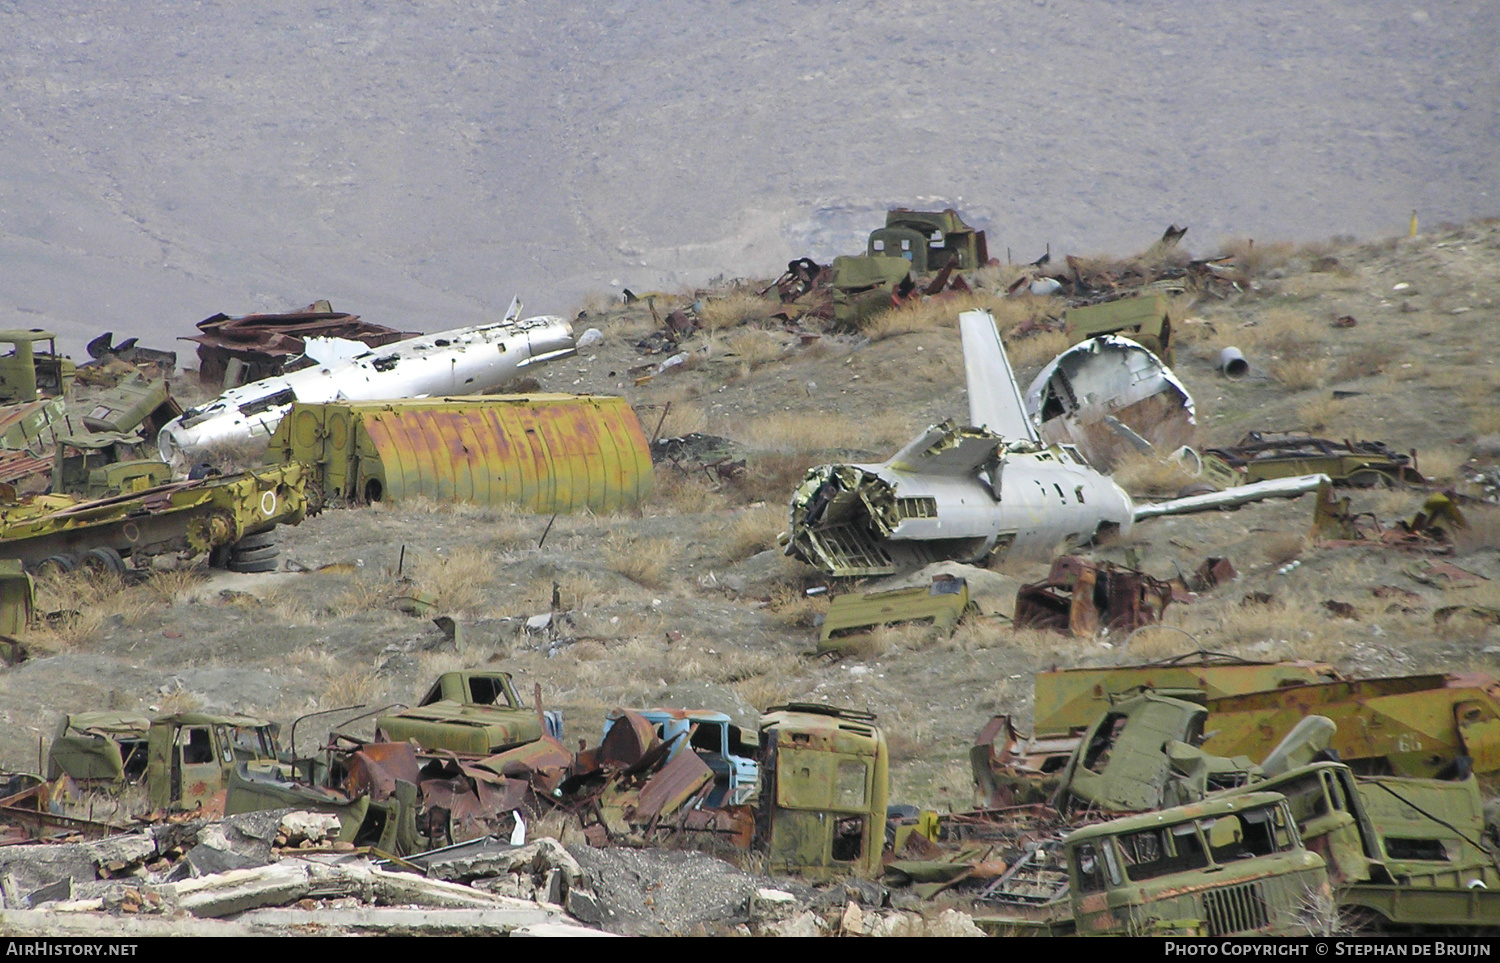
1405,725
547,453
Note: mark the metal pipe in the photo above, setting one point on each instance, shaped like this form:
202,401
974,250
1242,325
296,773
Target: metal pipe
1232,364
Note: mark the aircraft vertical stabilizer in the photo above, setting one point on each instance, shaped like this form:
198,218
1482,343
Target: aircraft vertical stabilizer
994,397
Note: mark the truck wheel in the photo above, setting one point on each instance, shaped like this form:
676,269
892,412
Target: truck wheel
56,565
258,540
264,565
104,561
237,557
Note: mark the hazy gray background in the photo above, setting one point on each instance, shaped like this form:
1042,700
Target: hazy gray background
418,163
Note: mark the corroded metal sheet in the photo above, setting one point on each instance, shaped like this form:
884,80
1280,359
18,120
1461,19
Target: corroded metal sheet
1408,725
548,453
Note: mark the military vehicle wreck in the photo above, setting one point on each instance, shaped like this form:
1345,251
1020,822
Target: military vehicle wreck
224,515
1265,455
954,493
458,362
479,713
548,453
236,350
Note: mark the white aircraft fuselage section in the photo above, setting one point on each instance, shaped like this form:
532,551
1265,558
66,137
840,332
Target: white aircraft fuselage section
955,493
463,361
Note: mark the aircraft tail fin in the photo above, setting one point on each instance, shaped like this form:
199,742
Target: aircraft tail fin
994,397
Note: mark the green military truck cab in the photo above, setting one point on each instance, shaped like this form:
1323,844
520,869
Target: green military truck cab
1233,866
825,783
929,240
27,374
105,464
477,713
191,755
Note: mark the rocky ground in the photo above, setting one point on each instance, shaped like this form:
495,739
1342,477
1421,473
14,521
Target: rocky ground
689,600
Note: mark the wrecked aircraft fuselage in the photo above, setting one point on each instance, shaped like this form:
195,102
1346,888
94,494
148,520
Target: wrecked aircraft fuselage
956,493
1109,395
464,361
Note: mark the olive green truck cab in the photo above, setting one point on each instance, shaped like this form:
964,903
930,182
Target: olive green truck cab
186,759
1234,866
476,713
825,783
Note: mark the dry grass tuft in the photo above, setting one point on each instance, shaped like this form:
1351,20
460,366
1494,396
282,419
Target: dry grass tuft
1441,464
642,560
1142,474
927,314
733,310
1257,259
771,477
1483,532
755,347
1279,548
799,432
682,418
174,586
1366,360
463,578
1299,374
752,531
1485,420
1038,349
683,492
180,700
352,687
1320,412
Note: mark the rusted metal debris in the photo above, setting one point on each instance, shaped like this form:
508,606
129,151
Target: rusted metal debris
1263,455
1429,531
1079,597
259,346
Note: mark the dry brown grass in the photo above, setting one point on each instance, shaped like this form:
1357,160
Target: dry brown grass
800,432
927,314
1483,532
1279,548
771,476
683,492
1142,474
353,687
233,457
1299,373
174,586
642,560
363,595
755,347
1257,259
753,530
1036,349
682,418
463,578
733,310
1485,420
1320,412
1366,360
1441,464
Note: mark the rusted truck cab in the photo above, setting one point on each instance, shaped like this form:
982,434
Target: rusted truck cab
190,756
1230,867
825,781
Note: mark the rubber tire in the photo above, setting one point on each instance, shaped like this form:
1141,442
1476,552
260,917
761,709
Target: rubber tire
55,565
103,561
237,557
251,542
264,565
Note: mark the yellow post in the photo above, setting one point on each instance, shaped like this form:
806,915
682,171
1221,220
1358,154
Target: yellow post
1414,222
